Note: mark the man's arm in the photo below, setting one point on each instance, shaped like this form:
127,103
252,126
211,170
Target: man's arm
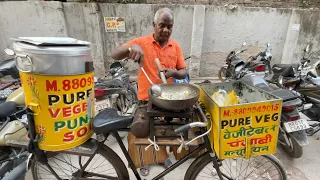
120,52
181,71
178,74
129,50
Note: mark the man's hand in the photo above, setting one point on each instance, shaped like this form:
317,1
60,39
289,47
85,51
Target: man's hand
169,72
136,53
178,74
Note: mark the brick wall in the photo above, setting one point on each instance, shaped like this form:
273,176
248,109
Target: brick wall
247,3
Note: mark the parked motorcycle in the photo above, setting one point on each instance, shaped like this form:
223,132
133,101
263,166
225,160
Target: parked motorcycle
292,136
8,68
120,92
13,122
12,128
303,80
236,67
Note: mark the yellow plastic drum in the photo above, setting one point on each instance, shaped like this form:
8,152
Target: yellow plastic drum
57,78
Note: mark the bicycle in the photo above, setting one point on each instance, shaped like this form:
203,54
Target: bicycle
109,122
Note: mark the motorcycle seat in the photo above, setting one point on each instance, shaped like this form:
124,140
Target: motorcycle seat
108,120
316,81
282,66
114,83
279,68
7,108
286,95
286,70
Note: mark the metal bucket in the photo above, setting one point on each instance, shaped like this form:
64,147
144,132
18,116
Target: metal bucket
52,56
57,78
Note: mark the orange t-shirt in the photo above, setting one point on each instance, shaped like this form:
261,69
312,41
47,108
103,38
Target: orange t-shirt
170,56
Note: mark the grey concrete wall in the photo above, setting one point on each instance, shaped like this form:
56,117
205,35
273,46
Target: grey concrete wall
30,19
139,18
207,33
226,30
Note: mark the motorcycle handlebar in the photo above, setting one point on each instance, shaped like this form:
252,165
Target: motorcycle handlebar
311,74
10,84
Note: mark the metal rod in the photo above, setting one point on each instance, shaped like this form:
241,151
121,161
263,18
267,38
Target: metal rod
125,152
31,124
95,150
177,164
4,124
215,160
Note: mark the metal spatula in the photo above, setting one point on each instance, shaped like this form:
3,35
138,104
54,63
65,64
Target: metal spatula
155,88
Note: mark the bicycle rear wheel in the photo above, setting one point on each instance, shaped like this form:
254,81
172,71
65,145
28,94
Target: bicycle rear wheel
266,167
106,163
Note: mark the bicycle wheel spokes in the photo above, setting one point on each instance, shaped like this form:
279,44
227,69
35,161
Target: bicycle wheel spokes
255,168
67,166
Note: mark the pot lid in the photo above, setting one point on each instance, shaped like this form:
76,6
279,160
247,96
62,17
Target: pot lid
51,45
51,41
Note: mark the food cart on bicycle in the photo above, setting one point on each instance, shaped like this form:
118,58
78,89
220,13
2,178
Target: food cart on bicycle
217,132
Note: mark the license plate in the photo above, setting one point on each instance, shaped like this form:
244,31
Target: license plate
100,105
297,125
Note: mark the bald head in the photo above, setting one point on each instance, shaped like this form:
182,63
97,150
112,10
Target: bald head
163,12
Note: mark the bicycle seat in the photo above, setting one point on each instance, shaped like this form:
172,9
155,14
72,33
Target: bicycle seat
108,120
7,108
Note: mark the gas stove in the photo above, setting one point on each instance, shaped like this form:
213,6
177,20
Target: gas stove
162,117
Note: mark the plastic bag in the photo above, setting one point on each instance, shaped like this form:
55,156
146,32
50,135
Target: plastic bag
222,98
219,97
231,99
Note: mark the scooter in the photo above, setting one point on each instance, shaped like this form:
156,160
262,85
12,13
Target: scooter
292,135
13,123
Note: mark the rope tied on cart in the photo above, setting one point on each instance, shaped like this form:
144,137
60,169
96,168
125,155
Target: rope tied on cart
152,143
182,145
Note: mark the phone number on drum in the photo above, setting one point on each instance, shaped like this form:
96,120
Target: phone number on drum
69,84
249,110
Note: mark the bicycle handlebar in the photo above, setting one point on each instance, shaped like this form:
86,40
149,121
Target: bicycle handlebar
189,126
193,124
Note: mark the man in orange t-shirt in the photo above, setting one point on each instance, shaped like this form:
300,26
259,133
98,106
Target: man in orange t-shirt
146,49
157,45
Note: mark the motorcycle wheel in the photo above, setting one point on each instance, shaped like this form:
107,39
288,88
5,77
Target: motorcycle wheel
222,74
294,150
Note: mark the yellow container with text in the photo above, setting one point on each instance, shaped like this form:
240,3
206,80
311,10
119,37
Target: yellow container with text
63,108
243,130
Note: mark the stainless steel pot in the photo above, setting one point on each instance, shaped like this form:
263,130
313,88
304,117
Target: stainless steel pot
52,55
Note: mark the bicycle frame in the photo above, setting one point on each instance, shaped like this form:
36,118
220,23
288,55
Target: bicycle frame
42,157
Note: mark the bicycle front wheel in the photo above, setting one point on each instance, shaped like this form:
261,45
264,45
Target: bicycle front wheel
106,164
266,167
